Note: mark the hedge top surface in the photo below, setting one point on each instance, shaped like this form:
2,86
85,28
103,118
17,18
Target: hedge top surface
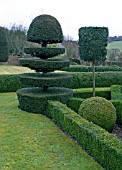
99,111
45,29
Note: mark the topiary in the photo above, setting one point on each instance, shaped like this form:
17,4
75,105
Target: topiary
45,29
99,111
3,46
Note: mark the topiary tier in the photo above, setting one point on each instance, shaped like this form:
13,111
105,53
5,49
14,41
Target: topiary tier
44,53
44,30
48,80
44,65
35,99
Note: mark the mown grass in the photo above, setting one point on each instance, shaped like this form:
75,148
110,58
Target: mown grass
6,69
33,142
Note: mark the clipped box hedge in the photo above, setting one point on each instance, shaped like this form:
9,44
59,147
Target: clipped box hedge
10,83
116,92
80,68
103,79
74,104
118,105
105,148
88,92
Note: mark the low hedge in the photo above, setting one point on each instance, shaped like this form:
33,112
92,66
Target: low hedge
88,92
118,105
103,79
79,68
10,83
74,104
105,148
116,92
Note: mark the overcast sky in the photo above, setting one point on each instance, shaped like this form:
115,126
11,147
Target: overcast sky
72,14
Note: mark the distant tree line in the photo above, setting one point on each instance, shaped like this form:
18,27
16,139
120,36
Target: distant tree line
115,38
17,41
16,37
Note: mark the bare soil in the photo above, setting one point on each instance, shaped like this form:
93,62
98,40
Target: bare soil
117,131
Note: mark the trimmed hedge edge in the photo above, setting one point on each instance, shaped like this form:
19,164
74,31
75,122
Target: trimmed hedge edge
105,148
116,92
74,104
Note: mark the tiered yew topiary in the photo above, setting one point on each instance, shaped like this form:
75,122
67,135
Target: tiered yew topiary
45,83
3,46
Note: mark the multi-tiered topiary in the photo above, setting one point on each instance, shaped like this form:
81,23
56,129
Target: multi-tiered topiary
43,30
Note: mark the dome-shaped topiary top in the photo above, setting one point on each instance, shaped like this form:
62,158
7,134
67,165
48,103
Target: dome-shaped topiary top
99,111
45,29
4,54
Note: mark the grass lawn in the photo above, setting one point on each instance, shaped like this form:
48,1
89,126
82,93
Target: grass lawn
33,142
6,69
115,44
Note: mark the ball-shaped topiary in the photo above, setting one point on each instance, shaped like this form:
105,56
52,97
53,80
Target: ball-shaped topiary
99,111
3,46
45,29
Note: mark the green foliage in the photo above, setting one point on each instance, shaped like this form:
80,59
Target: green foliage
45,66
92,43
99,111
10,83
74,104
84,80
79,68
44,53
45,29
45,80
118,105
3,45
35,99
116,92
87,92
105,148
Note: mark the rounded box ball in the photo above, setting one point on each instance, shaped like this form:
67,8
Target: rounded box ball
99,111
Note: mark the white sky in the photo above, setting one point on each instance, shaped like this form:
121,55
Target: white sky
72,14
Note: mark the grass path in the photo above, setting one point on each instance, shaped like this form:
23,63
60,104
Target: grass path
33,142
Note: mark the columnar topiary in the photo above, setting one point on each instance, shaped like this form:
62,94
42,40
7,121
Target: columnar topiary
44,30
3,46
92,46
99,111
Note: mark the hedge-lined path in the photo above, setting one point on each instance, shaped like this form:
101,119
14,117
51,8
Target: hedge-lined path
32,141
